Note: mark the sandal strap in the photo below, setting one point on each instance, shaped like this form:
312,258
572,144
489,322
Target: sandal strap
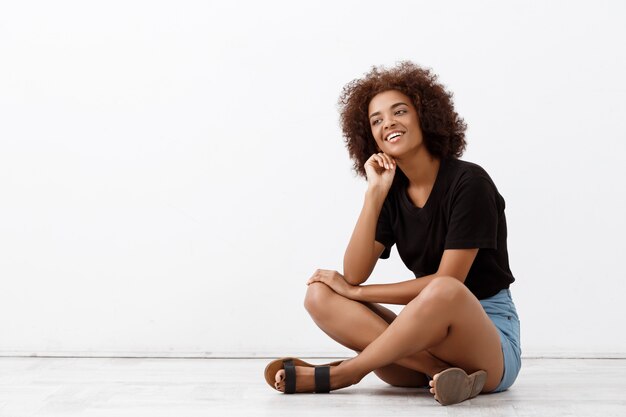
322,379
290,376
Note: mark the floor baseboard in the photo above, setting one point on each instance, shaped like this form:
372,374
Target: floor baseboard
531,354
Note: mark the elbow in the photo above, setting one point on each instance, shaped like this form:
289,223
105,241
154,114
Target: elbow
355,273
354,279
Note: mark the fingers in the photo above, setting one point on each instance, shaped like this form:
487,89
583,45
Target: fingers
384,160
381,161
389,161
313,280
320,275
317,276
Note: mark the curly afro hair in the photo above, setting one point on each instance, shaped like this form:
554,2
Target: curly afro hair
442,128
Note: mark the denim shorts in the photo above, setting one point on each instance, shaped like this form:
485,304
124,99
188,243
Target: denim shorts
501,311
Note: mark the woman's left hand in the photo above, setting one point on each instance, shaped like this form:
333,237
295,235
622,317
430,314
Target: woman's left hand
335,281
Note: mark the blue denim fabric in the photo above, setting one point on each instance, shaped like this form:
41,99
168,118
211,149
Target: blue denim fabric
502,312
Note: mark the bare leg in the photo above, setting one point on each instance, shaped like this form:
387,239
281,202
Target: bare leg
355,325
445,319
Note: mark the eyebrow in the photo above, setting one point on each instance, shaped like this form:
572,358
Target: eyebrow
392,107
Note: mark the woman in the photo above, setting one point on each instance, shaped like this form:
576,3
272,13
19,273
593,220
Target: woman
459,331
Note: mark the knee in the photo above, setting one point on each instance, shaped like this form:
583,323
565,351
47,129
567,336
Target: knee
443,288
316,297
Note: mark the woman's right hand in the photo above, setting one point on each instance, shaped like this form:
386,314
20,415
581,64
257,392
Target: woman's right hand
380,169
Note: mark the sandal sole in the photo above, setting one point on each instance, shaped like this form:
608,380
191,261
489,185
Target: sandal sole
454,385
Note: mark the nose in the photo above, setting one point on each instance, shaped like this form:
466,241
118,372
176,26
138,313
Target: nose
389,123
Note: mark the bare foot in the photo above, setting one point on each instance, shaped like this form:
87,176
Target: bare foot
305,379
453,385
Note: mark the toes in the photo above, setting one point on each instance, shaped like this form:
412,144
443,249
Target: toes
280,375
432,386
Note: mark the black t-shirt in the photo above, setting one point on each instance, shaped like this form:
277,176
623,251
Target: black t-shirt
464,211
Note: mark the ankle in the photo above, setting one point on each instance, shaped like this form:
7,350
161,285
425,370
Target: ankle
345,374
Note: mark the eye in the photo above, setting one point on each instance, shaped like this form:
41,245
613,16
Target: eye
401,111
375,122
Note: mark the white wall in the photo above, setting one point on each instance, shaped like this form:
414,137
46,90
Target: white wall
171,173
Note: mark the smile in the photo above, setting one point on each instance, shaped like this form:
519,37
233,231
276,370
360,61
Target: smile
394,136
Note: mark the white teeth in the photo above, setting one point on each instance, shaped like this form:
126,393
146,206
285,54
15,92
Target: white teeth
393,135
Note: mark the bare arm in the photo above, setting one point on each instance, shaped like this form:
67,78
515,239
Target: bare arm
454,262
363,251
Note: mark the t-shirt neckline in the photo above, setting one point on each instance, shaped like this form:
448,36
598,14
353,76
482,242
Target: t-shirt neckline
431,197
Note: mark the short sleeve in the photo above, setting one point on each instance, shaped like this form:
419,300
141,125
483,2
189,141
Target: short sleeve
384,232
473,215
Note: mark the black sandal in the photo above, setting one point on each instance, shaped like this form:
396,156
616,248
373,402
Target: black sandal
322,374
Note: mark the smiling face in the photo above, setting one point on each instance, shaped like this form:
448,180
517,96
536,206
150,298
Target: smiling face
394,123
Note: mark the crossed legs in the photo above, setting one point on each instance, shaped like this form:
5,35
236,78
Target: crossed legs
355,325
442,327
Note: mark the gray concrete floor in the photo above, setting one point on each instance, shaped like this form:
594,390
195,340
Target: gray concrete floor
235,387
